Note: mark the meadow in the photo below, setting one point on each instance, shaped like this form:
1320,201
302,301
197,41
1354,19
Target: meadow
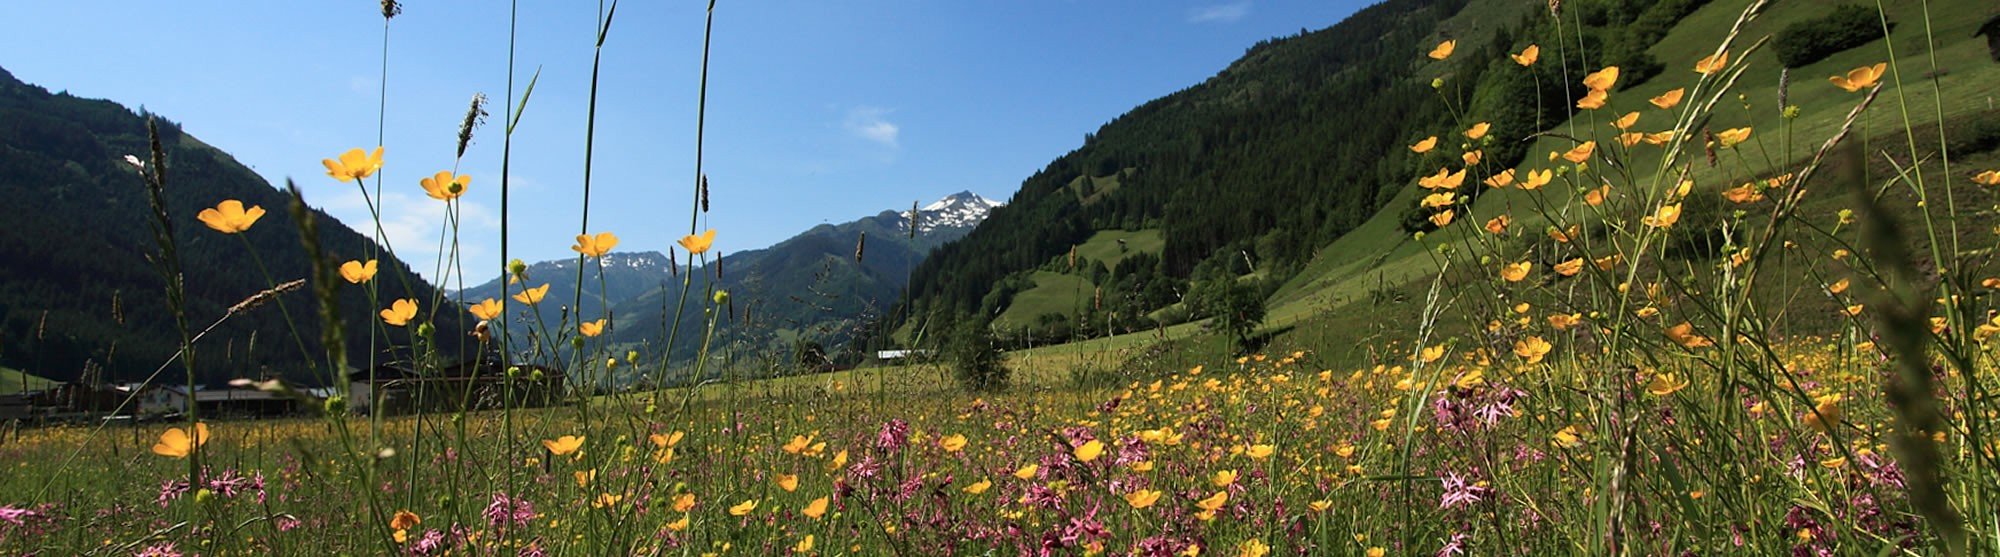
1680,326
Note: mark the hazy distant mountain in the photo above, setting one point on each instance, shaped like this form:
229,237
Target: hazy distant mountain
626,276
809,286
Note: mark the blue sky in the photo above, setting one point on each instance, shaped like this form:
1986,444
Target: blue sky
818,111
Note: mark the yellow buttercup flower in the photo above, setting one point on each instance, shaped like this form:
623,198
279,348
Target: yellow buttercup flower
1499,224
798,444
1443,50
1581,153
698,244
678,525
1669,99
1683,334
788,482
952,443
1253,548
979,487
591,328
1986,330
1563,236
1089,450
1213,502
595,246
743,508
1597,196
815,509
804,545
404,520
532,295
354,164
666,440
1435,200
1731,137
1528,56
1712,63
229,216
1425,146
1223,478
1987,178
1537,179
1442,218
1445,179
1825,414
1602,80
1567,438
683,502
445,186
1430,353
1593,100
400,313
176,443
1532,349
1142,498
1516,272
1478,131
357,272
564,445
1665,384
1664,217
1027,472
486,309
1569,268
1746,193
1564,321
1260,452
1626,121
1501,180
1859,78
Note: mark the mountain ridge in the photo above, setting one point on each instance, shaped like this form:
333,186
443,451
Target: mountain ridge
90,306
807,287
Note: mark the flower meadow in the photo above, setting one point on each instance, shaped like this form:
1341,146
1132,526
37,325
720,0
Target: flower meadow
1567,383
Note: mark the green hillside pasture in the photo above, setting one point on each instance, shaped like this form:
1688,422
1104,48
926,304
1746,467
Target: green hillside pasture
13,380
1054,292
1379,256
1099,186
1103,246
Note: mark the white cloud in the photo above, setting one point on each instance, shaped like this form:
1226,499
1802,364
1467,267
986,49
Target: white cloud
871,123
1220,13
414,225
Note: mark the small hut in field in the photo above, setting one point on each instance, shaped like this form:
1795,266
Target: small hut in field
479,384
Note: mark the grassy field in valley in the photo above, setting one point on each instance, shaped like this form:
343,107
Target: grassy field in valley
1731,342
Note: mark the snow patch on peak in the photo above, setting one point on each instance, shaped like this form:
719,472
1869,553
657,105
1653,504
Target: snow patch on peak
958,210
644,261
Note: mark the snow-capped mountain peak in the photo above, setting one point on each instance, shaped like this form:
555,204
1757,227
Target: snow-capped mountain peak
959,210
642,260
